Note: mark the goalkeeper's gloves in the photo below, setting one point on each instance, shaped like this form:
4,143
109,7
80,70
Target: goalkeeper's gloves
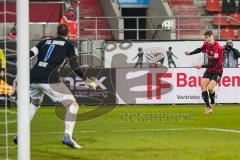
91,83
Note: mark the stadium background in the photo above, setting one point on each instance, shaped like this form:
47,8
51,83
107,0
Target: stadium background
110,32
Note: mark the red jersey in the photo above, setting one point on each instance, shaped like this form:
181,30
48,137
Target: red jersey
214,53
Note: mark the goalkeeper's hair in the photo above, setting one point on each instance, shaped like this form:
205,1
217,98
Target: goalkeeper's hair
62,30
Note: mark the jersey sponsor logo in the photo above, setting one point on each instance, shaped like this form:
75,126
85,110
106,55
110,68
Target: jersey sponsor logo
213,55
42,64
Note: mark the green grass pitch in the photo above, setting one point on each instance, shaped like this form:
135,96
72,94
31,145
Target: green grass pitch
135,133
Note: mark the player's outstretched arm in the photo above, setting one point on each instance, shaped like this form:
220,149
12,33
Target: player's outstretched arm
75,66
196,51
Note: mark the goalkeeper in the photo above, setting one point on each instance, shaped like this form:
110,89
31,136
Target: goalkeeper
51,54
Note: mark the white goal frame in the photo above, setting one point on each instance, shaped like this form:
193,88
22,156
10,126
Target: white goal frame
23,79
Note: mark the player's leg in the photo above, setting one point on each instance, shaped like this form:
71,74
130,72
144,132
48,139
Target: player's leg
60,93
211,90
205,96
211,87
70,120
204,85
71,114
141,64
36,95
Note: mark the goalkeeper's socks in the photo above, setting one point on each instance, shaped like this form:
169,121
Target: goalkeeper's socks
69,126
212,97
206,98
32,110
70,118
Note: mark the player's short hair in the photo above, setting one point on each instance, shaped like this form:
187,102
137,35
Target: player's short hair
62,30
208,33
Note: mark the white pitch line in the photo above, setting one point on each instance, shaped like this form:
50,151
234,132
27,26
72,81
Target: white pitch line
139,130
43,133
156,129
151,130
222,130
179,129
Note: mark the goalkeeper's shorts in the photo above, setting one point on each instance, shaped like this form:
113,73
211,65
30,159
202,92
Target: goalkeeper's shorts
58,92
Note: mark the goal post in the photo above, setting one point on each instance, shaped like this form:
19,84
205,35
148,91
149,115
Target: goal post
23,76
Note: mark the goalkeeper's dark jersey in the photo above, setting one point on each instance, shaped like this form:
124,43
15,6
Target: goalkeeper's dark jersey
51,54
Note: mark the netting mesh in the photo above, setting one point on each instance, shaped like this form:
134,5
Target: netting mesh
8,118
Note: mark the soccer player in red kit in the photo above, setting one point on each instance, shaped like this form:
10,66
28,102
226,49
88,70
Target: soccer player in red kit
214,68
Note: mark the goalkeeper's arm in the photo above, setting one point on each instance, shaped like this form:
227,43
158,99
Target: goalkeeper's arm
74,63
35,50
